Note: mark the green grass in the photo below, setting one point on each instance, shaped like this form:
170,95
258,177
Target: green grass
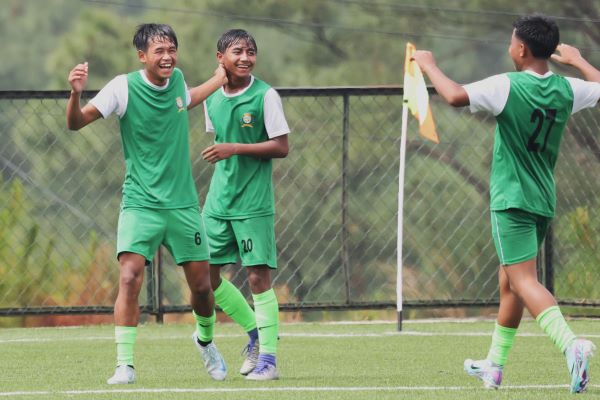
316,361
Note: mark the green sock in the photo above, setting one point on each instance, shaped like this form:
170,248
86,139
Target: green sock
502,341
553,323
205,326
267,320
233,303
125,339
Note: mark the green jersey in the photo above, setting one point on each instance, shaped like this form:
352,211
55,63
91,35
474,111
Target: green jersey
241,186
528,137
154,132
531,112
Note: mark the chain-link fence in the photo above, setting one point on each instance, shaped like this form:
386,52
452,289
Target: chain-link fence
336,208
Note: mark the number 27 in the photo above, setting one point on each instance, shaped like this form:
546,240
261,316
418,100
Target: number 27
539,116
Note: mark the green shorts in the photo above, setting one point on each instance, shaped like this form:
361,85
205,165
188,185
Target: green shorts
181,230
518,234
251,239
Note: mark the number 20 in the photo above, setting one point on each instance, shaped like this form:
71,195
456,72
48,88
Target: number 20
247,245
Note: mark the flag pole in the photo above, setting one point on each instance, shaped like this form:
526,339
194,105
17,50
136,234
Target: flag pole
400,212
415,98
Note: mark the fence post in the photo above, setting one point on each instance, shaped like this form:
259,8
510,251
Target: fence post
159,287
154,286
548,260
150,292
345,145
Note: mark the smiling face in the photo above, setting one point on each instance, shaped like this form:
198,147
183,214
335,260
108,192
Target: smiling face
238,60
159,59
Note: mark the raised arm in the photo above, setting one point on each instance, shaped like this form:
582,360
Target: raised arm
570,55
452,92
201,92
78,117
272,148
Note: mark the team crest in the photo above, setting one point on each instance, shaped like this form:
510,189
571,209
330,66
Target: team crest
179,103
247,120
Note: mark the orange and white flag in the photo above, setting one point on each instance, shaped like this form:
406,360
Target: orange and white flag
416,96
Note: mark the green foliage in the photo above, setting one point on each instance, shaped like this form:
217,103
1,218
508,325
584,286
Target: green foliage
577,271
31,28
32,266
301,43
99,37
19,245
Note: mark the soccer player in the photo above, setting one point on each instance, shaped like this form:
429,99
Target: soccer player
160,203
250,129
532,107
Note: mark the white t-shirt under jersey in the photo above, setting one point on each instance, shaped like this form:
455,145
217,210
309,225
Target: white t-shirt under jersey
113,96
275,122
491,94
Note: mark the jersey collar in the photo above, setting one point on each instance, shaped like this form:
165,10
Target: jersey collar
152,85
241,91
547,74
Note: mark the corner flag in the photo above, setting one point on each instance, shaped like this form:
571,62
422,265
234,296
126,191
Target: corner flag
416,99
416,96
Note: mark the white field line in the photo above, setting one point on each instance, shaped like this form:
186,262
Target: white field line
291,334
281,389
440,320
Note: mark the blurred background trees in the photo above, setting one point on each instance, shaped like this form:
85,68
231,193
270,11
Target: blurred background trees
301,43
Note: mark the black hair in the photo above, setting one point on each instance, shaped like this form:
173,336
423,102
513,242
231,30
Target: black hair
233,36
539,33
148,32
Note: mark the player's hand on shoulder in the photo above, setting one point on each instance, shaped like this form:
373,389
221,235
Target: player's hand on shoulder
78,77
424,58
221,73
566,54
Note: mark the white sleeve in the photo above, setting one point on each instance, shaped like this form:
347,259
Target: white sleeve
188,96
207,121
585,94
112,98
275,122
490,94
